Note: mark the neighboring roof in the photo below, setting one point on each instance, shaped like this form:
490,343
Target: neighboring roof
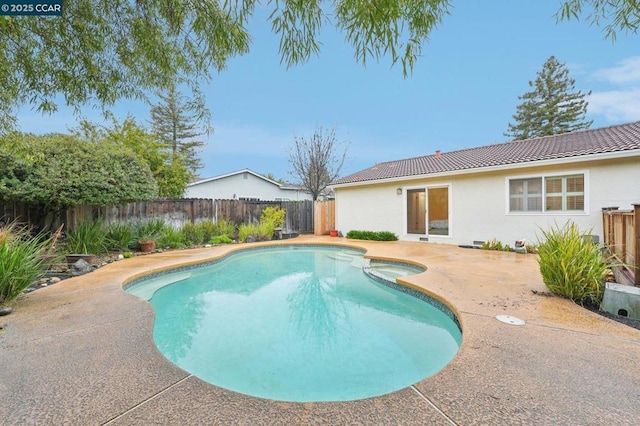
284,186
624,137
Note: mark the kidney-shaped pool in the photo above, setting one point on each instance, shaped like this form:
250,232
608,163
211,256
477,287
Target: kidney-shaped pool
297,323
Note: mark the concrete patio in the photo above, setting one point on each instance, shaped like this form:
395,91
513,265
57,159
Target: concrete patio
81,353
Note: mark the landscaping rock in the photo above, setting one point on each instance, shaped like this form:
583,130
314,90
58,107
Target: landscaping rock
5,311
54,280
81,267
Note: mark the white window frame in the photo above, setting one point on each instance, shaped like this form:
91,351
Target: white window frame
544,211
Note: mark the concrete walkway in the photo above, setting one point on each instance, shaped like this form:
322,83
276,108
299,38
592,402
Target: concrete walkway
81,353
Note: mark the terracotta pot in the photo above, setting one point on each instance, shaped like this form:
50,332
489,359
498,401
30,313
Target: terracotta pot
147,246
73,258
333,233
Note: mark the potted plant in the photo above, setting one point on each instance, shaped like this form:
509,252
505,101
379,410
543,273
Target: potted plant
147,233
147,239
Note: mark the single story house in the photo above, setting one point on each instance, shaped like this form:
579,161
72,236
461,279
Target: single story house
506,191
245,185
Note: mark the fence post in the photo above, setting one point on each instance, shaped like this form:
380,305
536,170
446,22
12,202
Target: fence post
607,225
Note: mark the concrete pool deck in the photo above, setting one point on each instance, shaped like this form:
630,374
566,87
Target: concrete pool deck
81,352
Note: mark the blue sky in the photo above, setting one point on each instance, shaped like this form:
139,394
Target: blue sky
462,93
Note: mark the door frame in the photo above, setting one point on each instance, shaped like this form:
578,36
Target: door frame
426,187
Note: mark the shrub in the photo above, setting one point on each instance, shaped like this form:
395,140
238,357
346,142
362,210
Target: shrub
496,245
274,216
171,238
221,239
245,231
225,228
22,260
572,265
207,230
119,236
371,235
192,234
264,231
386,236
89,236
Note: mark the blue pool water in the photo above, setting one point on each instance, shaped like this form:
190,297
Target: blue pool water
297,324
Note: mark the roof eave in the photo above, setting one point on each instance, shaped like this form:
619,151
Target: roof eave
502,167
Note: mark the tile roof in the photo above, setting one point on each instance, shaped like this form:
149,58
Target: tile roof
624,137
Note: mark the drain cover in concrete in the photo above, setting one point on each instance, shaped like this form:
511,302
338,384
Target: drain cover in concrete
508,319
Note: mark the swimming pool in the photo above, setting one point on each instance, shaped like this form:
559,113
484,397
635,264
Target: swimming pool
297,323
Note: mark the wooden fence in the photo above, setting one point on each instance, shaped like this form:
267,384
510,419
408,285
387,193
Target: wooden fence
622,236
299,216
176,212
324,217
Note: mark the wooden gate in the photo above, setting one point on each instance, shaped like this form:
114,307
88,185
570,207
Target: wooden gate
622,236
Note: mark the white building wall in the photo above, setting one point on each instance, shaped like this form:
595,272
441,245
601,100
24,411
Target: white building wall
243,185
479,203
369,208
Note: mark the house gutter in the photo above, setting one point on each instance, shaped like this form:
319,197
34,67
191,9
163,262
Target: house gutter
502,167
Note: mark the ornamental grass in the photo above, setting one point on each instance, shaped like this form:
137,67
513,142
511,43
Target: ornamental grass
572,265
22,260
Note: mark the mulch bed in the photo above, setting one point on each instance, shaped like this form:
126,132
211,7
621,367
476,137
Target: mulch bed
631,322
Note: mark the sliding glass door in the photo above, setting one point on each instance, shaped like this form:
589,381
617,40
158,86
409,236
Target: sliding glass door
428,211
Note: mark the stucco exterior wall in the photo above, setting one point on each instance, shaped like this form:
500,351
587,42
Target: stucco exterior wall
243,185
479,203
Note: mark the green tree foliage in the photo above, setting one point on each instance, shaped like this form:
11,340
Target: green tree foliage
55,171
616,15
174,121
316,161
170,174
552,106
99,51
273,177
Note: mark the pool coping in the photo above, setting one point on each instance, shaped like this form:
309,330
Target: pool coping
82,352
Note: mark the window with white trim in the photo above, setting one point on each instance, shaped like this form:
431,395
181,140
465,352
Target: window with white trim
525,195
560,194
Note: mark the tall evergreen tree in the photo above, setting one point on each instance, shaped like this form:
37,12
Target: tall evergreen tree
175,121
552,107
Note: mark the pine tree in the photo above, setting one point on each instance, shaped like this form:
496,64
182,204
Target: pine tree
552,107
176,123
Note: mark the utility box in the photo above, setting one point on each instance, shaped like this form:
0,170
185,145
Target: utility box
622,300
